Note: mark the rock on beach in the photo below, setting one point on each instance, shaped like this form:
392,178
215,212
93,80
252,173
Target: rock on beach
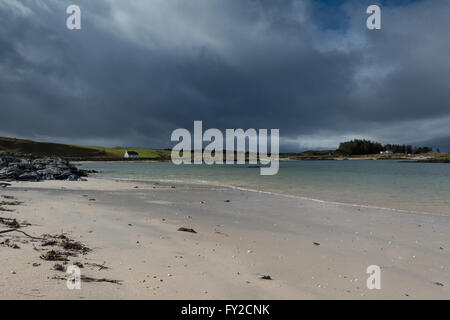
18,167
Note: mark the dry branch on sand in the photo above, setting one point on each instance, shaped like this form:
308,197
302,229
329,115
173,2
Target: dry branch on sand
12,230
90,279
99,266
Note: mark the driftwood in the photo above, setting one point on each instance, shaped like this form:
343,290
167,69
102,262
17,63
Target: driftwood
12,230
183,229
100,266
90,279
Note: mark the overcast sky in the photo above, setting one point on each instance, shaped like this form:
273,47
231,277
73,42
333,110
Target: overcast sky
139,69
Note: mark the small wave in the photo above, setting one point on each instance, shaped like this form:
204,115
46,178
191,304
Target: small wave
403,211
290,196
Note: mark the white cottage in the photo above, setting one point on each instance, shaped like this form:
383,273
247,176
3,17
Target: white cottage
131,154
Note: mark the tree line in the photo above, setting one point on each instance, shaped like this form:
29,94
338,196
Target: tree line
363,147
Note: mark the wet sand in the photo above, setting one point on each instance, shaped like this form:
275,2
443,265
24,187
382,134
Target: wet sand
311,250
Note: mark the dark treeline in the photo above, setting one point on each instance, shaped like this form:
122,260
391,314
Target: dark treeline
362,147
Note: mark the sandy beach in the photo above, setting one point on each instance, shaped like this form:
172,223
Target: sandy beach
311,250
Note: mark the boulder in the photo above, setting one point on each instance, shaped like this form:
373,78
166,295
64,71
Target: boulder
29,176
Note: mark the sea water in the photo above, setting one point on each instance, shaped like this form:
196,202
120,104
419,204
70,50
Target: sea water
403,185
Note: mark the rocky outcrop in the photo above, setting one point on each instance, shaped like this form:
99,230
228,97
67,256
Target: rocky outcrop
29,168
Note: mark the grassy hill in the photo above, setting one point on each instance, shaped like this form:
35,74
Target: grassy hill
75,152
144,153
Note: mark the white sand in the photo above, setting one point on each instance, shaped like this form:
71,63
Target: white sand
237,242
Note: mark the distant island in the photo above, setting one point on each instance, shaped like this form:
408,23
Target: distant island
370,150
365,147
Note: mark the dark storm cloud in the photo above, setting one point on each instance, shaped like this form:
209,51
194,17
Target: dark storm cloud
138,70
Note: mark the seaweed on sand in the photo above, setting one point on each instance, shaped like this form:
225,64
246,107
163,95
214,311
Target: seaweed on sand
12,223
75,246
54,255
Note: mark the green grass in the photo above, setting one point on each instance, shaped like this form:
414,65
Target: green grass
118,152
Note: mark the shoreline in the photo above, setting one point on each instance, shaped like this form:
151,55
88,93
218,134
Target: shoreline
241,235
367,205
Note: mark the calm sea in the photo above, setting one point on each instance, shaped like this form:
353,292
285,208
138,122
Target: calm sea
422,187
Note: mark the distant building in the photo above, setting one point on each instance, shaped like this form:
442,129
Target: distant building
386,152
131,154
